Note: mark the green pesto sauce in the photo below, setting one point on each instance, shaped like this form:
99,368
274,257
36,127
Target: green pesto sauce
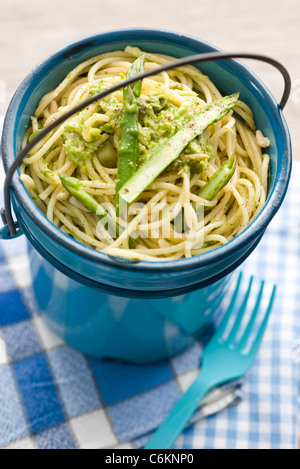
76,148
159,119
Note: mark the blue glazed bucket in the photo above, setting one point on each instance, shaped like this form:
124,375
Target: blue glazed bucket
108,307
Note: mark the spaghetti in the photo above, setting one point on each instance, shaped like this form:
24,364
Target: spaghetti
164,221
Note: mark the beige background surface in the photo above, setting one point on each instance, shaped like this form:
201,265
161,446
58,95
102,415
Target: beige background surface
32,29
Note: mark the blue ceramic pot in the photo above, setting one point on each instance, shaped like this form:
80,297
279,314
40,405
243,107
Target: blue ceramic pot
109,307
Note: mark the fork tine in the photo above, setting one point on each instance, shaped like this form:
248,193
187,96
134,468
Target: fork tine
222,327
263,326
251,323
240,316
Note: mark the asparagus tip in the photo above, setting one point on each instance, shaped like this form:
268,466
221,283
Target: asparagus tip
69,182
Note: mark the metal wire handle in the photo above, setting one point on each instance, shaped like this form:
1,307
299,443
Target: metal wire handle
6,212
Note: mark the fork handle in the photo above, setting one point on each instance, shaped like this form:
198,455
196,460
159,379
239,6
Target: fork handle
170,429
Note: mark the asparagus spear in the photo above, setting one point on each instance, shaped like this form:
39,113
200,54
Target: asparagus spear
218,180
129,128
74,187
169,151
34,134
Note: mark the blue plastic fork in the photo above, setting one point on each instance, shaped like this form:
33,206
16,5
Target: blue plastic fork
223,360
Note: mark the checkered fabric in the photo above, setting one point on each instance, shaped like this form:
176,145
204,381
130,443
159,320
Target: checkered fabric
51,396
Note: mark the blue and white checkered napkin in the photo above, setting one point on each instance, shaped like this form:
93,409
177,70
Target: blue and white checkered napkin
54,397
